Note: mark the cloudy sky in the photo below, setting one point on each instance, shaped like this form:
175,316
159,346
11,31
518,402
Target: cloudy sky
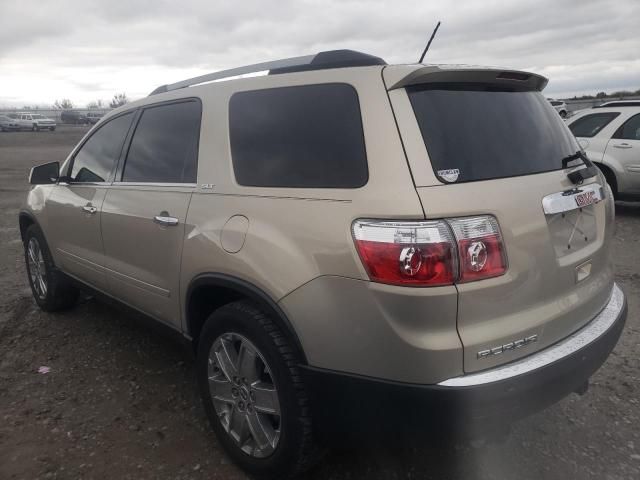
91,49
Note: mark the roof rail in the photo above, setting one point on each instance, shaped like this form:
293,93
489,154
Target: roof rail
619,103
320,61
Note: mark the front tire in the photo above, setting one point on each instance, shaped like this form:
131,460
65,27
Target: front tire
253,392
51,290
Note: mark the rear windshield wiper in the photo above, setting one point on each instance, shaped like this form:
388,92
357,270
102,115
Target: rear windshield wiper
579,176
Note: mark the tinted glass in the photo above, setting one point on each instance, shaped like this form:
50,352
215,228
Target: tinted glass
164,148
555,104
485,133
630,130
97,157
589,125
308,136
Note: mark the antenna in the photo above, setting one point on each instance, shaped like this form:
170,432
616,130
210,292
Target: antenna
429,44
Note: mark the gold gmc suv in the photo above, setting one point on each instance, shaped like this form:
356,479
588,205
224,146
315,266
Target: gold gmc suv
351,247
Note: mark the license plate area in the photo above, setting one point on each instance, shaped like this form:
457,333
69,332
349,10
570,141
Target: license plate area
571,217
573,199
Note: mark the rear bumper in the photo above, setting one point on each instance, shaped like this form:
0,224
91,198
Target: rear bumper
470,405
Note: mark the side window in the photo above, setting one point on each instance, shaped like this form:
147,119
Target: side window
589,125
629,130
97,157
307,137
164,148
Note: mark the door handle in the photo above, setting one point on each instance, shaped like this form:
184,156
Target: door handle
165,219
622,145
89,209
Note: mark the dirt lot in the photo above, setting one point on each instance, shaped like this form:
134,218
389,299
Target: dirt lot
120,401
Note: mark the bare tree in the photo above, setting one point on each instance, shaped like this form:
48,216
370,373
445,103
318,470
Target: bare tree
64,104
118,100
95,104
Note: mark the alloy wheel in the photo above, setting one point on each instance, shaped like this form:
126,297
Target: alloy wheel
37,268
244,394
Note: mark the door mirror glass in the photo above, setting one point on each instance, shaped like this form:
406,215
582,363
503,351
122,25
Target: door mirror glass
45,174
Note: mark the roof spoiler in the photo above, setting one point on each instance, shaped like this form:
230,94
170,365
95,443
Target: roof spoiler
523,81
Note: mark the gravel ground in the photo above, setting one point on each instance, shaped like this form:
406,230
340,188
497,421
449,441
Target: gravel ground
120,400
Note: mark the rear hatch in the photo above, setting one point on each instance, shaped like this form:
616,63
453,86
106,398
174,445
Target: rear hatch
487,142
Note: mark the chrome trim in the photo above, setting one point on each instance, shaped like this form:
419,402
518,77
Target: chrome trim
165,220
578,340
566,201
154,184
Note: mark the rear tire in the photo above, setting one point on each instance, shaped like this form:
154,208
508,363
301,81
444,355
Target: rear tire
289,445
51,290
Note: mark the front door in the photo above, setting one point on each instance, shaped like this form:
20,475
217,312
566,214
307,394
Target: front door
76,202
624,149
145,210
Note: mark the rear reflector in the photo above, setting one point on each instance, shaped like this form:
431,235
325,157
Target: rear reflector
430,253
407,253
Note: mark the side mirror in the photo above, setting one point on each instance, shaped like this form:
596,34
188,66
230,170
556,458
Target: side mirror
45,174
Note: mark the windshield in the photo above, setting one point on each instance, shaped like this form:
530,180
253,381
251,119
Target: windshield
483,133
36,115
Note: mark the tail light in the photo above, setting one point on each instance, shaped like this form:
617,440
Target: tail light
480,248
430,253
407,253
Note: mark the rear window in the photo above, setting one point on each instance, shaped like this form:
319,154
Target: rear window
589,125
477,132
306,136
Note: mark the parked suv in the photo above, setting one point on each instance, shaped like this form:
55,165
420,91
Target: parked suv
94,117
73,117
560,107
34,121
349,246
611,137
8,124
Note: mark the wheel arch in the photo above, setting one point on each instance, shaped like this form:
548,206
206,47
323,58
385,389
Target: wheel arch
209,291
609,175
25,220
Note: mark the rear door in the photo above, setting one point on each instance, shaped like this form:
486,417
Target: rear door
76,203
144,212
486,148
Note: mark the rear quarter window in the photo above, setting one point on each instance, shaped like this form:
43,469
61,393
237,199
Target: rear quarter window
298,137
590,125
